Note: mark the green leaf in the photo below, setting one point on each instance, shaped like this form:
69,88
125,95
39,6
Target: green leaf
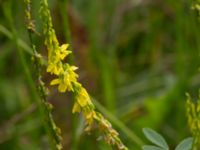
155,138
186,144
151,147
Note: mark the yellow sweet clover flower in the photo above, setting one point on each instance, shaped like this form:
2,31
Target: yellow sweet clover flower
82,96
62,52
83,101
90,116
66,79
76,108
55,68
55,58
83,104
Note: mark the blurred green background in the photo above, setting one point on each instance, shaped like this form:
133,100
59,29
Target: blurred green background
137,58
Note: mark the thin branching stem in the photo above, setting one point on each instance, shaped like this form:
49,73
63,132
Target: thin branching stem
52,130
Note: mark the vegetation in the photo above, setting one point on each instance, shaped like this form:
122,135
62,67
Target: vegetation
136,60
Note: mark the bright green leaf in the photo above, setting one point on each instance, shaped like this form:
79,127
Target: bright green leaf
186,144
155,138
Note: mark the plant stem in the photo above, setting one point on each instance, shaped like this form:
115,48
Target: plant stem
53,131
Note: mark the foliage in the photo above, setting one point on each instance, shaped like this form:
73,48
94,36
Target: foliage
161,144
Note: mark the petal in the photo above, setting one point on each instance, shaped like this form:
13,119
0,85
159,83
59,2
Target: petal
62,56
55,81
49,68
76,108
82,101
53,68
64,47
62,87
83,97
56,70
66,79
74,68
66,52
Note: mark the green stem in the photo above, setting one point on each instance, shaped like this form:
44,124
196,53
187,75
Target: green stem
50,126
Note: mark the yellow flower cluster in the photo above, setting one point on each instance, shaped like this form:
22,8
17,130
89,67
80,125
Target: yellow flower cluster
193,114
55,58
83,104
66,79
64,72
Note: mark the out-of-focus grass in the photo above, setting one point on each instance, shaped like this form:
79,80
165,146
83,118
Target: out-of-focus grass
138,58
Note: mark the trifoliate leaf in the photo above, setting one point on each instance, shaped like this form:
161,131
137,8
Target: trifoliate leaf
186,144
155,138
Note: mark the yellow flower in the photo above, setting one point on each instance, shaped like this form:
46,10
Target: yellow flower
66,79
90,116
70,74
62,52
62,86
83,97
54,68
76,108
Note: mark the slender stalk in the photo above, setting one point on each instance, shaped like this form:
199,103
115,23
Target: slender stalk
50,126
